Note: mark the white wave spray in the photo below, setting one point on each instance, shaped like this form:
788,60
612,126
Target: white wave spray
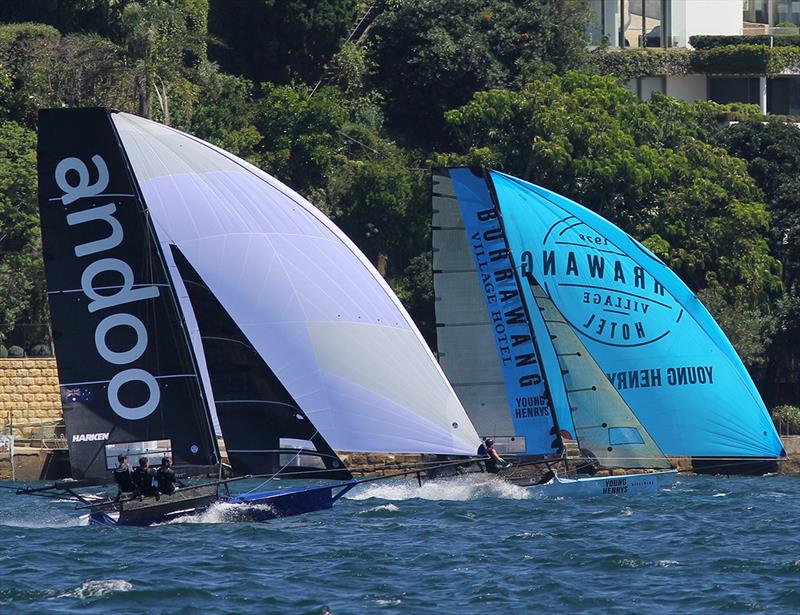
97,588
224,512
458,488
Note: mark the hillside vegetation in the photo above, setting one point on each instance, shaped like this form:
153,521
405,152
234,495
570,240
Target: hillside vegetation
352,107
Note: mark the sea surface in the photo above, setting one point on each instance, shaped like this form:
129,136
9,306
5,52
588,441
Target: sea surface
465,545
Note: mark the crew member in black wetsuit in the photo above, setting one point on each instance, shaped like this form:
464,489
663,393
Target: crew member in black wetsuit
144,477
495,461
123,476
165,476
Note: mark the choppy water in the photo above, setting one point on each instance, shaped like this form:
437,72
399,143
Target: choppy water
460,546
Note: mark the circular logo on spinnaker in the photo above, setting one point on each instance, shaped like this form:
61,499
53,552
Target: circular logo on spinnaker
604,294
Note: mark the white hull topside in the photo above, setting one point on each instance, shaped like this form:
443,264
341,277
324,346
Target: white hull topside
598,486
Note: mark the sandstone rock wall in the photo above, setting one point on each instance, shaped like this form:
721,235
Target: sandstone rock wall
29,396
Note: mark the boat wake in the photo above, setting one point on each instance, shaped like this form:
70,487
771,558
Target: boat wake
95,589
224,512
459,488
36,521
384,510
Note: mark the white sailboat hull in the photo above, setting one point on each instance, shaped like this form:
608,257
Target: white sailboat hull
602,486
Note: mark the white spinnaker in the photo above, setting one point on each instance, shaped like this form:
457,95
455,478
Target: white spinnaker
306,297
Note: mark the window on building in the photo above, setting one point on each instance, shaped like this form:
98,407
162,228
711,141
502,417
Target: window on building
787,13
765,16
644,87
604,22
756,16
643,23
630,23
733,89
783,95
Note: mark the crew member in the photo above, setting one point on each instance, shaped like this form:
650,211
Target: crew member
482,454
165,477
495,461
144,478
123,476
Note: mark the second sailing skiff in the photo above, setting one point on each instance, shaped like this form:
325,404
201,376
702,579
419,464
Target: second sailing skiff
546,395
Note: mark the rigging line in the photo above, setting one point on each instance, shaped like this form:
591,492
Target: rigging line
296,455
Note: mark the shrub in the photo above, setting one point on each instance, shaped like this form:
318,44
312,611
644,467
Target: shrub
787,419
746,60
3,352
16,352
709,42
40,350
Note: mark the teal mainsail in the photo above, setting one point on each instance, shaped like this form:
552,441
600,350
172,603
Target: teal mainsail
554,392
655,341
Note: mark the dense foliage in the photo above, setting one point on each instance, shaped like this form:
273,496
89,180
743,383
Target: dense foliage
352,113
433,54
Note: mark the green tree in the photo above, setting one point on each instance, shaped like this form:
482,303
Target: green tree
48,70
749,329
73,16
166,42
225,111
432,55
590,139
299,133
772,152
21,272
277,41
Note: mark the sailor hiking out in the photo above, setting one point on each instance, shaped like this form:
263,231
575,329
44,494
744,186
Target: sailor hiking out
494,461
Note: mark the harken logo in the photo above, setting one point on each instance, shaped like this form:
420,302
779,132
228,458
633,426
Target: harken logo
90,437
602,292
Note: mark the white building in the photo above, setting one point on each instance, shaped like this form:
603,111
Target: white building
631,24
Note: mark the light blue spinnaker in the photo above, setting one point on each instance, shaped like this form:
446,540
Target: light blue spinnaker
652,337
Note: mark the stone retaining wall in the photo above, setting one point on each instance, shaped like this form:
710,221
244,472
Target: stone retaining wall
29,395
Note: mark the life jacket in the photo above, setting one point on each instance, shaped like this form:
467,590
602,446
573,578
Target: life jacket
491,464
145,480
165,478
482,450
123,476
